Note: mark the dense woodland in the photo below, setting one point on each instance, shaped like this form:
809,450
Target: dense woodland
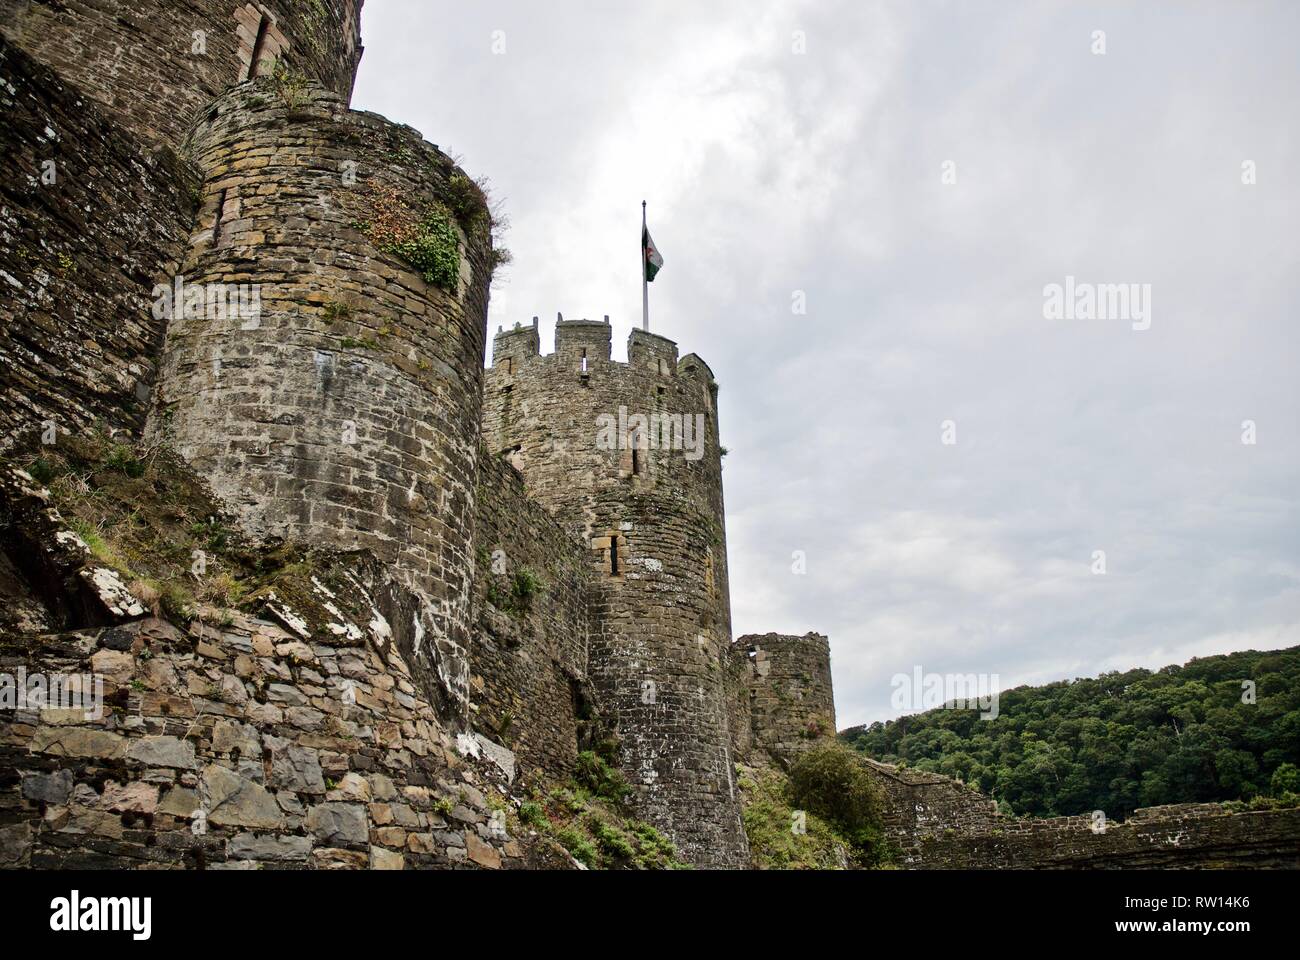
1118,741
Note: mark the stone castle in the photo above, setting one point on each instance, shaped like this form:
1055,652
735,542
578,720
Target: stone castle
211,147
204,249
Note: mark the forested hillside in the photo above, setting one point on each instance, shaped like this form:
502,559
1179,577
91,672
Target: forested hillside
1118,741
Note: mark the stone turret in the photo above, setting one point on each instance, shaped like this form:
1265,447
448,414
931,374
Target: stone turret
626,456
334,399
784,691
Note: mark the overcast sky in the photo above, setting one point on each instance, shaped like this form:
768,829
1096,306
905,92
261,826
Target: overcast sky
769,171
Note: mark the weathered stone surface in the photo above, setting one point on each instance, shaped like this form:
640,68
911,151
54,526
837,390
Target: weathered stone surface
327,858
232,800
53,787
154,82
179,802
15,845
248,846
338,824
79,742
484,854
130,797
381,859
295,768
78,341
115,666
163,752
353,787
229,736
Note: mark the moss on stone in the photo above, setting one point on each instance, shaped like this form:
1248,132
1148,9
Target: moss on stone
426,238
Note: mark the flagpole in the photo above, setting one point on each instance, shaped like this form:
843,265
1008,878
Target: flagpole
645,284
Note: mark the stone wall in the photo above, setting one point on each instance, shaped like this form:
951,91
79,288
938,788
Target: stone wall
787,683
298,738
935,822
919,803
528,684
653,518
90,219
153,64
1181,836
344,412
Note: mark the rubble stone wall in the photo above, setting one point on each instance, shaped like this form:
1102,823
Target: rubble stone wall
90,219
152,65
935,822
242,744
533,608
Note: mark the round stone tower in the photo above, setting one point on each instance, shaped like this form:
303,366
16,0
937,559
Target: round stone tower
626,456
787,686
324,355
153,64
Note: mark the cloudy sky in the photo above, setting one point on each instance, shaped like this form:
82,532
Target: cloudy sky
798,150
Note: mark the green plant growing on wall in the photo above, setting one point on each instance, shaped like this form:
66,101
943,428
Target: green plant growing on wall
336,312
426,239
833,782
466,200
289,85
121,458
594,774
433,249
500,257
42,471
526,586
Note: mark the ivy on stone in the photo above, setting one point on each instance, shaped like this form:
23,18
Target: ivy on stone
425,239
433,249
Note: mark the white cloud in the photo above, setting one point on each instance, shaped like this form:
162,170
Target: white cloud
768,172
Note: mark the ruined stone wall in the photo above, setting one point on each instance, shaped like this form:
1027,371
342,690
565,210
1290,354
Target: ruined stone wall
90,219
653,518
298,741
918,803
787,683
935,822
153,64
344,413
533,594
1179,837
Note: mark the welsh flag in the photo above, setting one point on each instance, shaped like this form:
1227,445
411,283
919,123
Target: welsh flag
650,255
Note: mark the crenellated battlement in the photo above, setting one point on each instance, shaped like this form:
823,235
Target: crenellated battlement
625,455
584,347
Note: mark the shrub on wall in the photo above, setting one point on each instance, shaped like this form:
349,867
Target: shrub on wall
832,782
